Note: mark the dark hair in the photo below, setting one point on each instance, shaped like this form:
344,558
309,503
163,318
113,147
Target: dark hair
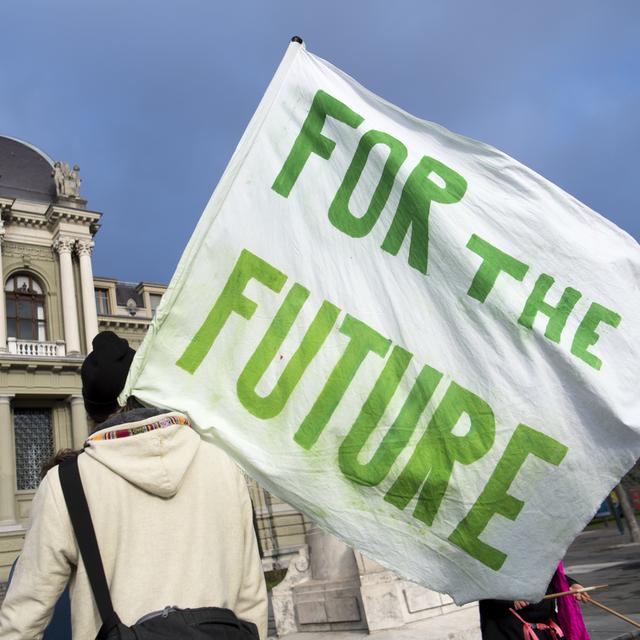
64,454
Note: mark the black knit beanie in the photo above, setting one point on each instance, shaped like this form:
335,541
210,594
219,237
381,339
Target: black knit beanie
104,372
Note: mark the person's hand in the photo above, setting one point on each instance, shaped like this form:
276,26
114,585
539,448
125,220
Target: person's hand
520,604
581,597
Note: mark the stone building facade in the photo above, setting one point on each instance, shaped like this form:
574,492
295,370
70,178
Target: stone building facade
51,308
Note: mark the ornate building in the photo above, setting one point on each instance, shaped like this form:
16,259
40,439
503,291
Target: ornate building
53,307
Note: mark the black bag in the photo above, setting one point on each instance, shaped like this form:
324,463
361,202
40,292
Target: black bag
204,623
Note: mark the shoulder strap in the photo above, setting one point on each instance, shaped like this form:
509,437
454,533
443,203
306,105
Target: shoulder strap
527,627
78,508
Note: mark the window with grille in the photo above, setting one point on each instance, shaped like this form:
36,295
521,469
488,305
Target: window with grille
34,444
102,302
25,308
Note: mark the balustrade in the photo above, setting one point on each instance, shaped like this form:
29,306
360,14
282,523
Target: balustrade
35,348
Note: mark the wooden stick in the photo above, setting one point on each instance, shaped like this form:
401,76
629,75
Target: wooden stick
614,613
570,593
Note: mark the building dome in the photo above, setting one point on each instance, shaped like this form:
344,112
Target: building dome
25,172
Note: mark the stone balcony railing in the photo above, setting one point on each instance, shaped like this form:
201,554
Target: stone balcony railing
36,348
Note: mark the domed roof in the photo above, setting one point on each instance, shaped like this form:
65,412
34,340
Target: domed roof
25,171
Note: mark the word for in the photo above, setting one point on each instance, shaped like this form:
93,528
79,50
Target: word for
418,193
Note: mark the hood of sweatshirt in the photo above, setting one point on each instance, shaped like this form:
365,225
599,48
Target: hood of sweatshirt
150,449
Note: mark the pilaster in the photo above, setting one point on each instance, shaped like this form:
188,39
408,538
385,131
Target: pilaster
7,464
3,315
79,429
84,249
64,246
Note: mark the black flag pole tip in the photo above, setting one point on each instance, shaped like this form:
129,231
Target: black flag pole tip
297,39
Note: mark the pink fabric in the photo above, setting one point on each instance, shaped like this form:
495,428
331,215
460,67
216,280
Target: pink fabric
569,612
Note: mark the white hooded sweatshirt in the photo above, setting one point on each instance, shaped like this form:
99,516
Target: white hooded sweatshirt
174,525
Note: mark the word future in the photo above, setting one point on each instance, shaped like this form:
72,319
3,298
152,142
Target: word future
429,468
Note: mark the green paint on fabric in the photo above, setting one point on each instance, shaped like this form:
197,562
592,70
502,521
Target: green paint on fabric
363,340
432,461
339,213
311,140
494,262
231,300
558,314
373,472
414,207
272,404
494,498
586,335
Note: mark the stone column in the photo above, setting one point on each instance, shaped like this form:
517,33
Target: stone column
64,247
331,559
7,464
3,312
84,248
79,429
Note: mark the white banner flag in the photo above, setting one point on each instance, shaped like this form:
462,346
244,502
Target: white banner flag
416,340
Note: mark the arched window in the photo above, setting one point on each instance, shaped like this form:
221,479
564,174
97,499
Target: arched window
25,308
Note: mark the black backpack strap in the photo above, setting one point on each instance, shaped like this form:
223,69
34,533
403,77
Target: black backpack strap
86,537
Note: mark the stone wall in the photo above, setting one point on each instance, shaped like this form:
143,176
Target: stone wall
10,546
330,587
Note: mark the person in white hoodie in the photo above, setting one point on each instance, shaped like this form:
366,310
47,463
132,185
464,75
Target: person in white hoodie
172,516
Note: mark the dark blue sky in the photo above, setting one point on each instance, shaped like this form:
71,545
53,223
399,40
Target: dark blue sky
151,97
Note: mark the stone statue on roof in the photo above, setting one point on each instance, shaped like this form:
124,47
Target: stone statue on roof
67,180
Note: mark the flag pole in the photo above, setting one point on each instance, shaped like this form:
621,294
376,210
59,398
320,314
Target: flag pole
613,612
211,210
549,596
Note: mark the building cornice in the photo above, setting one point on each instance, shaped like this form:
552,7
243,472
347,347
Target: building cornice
57,213
12,530
51,218
30,363
27,219
6,204
123,322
